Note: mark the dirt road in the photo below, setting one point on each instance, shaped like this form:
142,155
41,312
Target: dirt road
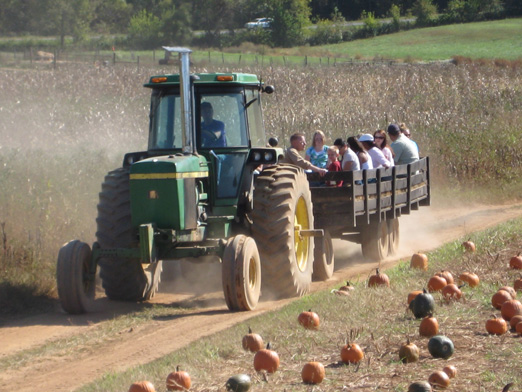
26,363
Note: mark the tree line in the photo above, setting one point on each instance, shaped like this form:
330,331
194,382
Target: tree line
146,24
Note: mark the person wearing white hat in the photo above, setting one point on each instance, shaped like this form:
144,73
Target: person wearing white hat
378,158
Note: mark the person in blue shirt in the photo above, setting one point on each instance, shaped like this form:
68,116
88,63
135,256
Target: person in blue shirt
212,131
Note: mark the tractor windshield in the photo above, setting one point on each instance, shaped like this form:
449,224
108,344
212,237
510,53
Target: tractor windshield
220,119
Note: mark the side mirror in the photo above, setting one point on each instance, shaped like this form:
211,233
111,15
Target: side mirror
268,89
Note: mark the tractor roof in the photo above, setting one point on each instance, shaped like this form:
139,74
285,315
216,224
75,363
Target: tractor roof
240,79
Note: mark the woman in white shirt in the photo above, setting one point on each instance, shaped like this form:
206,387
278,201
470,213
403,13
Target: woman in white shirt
381,141
378,158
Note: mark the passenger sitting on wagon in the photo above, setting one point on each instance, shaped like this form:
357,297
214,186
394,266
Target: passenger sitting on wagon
318,152
403,148
349,160
365,160
292,156
334,165
378,158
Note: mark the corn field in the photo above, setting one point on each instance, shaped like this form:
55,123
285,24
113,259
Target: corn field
61,130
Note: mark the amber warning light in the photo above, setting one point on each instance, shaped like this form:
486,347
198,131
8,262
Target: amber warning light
159,79
225,78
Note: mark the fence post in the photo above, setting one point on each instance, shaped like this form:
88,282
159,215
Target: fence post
222,58
306,61
113,58
239,62
284,60
138,60
153,56
209,56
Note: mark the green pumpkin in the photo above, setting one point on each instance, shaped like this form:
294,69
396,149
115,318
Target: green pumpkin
441,346
238,383
422,305
420,386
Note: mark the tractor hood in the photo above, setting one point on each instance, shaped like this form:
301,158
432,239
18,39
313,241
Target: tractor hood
163,191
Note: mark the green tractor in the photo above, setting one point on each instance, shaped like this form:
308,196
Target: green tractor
198,191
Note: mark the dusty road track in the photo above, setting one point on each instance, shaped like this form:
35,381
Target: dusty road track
79,364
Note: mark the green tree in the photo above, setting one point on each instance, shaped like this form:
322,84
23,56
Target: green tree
144,30
395,14
111,16
424,10
175,24
290,17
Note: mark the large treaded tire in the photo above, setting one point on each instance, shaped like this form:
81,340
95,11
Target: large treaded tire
241,273
75,289
282,201
122,279
374,241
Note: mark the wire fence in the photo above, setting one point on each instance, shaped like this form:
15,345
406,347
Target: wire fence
41,59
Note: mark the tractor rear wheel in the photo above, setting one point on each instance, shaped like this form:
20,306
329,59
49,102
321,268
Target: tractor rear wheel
323,258
76,284
122,278
283,207
241,273
374,241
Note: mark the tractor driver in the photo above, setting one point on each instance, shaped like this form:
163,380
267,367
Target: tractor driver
212,131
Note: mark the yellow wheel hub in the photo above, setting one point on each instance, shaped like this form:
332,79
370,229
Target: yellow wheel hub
301,244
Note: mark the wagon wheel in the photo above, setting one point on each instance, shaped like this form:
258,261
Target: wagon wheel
323,258
393,236
374,241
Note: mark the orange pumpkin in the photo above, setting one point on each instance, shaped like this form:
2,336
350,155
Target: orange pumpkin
379,279
252,341
347,287
515,320
470,278
436,283
352,353
516,262
413,294
496,326
429,326
439,379
499,298
517,284
510,290
178,380
511,308
450,370
419,261
518,328
469,246
451,291
266,359
446,275
409,352
309,320
142,386
313,373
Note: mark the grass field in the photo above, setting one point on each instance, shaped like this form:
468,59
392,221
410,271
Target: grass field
489,40
379,315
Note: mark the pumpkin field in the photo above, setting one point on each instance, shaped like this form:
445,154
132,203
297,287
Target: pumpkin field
62,130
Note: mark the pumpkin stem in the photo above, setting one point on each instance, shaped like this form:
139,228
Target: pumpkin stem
506,388
269,346
249,329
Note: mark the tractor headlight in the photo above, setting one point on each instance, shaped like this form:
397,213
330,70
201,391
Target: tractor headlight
269,155
256,156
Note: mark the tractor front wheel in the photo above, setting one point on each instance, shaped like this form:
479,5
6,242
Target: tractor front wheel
241,273
75,280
